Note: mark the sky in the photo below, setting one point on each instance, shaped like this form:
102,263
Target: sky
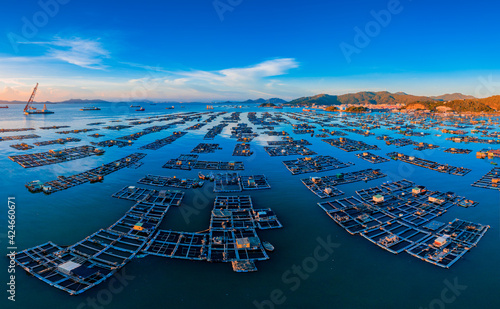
215,50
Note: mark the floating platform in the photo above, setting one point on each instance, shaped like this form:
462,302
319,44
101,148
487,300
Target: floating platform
490,180
242,150
424,146
324,186
254,182
372,158
95,123
471,139
360,132
314,164
18,137
146,131
21,146
276,133
162,197
231,237
219,165
458,150
227,182
87,263
55,156
117,127
96,135
16,130
111,143
399,216
60,141
288,149
214,131
400,142
190,161
167,181
196,126
180,245
164,141
447,245
205,148
286,140
76,131
442,168
92,175
183,162
54,127
350,145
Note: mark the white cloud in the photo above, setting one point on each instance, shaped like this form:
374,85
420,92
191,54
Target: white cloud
243,76
81,52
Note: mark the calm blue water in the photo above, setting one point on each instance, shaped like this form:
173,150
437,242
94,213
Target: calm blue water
357,274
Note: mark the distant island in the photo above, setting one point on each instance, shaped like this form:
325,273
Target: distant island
350,102
267,105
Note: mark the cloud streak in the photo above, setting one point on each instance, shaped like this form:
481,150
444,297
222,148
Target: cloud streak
84,53
230,83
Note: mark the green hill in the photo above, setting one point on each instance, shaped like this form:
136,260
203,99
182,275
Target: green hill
365,97
457,105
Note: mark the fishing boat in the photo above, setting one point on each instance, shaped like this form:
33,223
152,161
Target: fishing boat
140,109
201,176
135,106
92,108
29,109
4,106
268,246
171,107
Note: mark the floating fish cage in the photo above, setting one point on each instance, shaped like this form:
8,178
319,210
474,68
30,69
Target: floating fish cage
60,141
55,156
168,181
372,158
324,187
164,141
205,148
400,216
442,168
314,164
490,180
350,145
92,175
18,137
242,150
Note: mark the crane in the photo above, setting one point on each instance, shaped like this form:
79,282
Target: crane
30,110
30,101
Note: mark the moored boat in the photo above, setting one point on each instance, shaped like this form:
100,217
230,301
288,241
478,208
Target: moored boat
268,246
92,108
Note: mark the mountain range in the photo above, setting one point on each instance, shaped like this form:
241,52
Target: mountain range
365,97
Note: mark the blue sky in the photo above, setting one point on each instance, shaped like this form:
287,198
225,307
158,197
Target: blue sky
205,50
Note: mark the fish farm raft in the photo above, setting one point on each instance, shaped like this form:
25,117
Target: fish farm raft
409,214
